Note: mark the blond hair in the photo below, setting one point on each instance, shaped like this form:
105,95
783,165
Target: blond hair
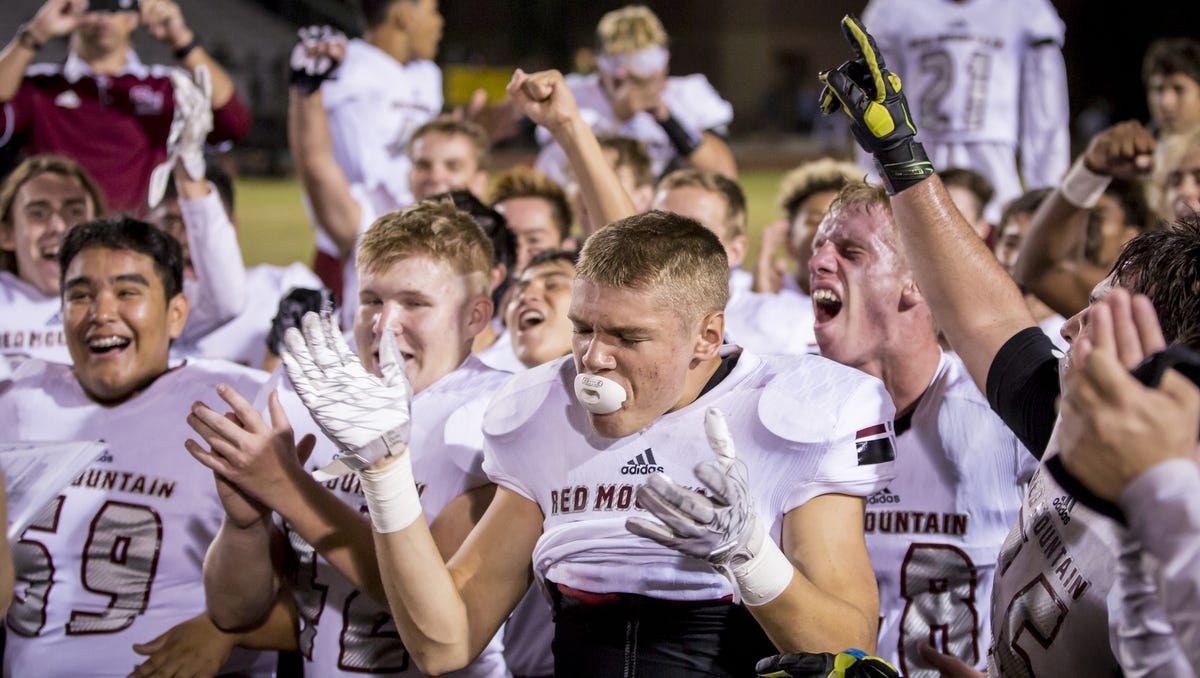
817,176
450,126
730,190
34,166
522,182
860,196
673,256
433,228
629,29
1167,158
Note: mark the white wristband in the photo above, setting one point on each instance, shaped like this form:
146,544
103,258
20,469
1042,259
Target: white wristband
762,578
1083,187
391,493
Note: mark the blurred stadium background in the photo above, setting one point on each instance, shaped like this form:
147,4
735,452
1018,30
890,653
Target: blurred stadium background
762,55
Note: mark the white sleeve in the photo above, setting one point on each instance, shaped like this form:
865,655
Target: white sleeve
1139,631
1045,139
1163,509
220,289
696,103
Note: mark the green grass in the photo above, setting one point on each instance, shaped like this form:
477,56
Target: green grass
273,227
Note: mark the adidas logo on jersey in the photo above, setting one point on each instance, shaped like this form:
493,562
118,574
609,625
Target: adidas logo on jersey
884,496
67,99
643,464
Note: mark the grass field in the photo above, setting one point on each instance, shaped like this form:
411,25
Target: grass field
273,227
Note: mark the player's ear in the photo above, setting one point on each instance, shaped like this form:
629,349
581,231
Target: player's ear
177,313
8,239
479,182
736,248
710,336
479,314
910,294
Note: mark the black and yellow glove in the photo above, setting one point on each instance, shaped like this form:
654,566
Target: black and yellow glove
845,664
870,94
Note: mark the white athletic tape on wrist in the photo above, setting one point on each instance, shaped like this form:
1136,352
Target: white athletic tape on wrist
1083,187
391,494
765,576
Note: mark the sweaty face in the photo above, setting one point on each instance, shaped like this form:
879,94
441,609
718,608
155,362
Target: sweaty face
803,229
1183,186
42,211
443,162
537,313
424,28
532,221
1174,102
1077,325
630,337
434,312
169,219
856,286
118,321
708,208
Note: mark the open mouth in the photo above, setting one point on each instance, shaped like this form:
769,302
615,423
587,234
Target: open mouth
102,345
530,318
50,253
826,304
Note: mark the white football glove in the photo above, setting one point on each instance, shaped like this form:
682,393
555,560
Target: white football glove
189,129
309,68
367,417
723,529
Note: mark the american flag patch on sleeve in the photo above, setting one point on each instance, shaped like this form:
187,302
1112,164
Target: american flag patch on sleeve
876,444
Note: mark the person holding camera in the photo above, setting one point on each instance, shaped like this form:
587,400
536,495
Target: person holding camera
103,106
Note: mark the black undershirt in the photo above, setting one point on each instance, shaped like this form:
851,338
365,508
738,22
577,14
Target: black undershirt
1023,387
728,362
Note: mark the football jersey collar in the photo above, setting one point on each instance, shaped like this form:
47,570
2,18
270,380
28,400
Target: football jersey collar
76,68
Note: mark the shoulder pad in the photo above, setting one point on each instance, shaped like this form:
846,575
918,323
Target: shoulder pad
524,395
812,399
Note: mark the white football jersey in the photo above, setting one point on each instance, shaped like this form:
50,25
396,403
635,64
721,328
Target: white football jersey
772,323
935,531
116,559
374,104
586,487
31,325
343,632
981,86
692,100
243,339
1049,605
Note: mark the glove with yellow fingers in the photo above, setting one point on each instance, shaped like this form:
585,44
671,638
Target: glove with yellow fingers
870,94
846,664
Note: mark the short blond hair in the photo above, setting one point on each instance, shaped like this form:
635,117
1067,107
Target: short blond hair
432,228
673,256
860,196
522,182
713,182
450,126
629,29
824,174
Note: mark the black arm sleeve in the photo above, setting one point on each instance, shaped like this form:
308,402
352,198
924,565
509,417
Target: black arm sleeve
1023,387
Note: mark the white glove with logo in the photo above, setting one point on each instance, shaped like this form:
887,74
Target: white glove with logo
311,61
722,529
367,417
189,128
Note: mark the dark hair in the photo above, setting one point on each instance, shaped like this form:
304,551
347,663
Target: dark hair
1131,197
1026,203
553,256
973,181
504,242
1164,264
373,13
220,180
631,153
1168,56
127,233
